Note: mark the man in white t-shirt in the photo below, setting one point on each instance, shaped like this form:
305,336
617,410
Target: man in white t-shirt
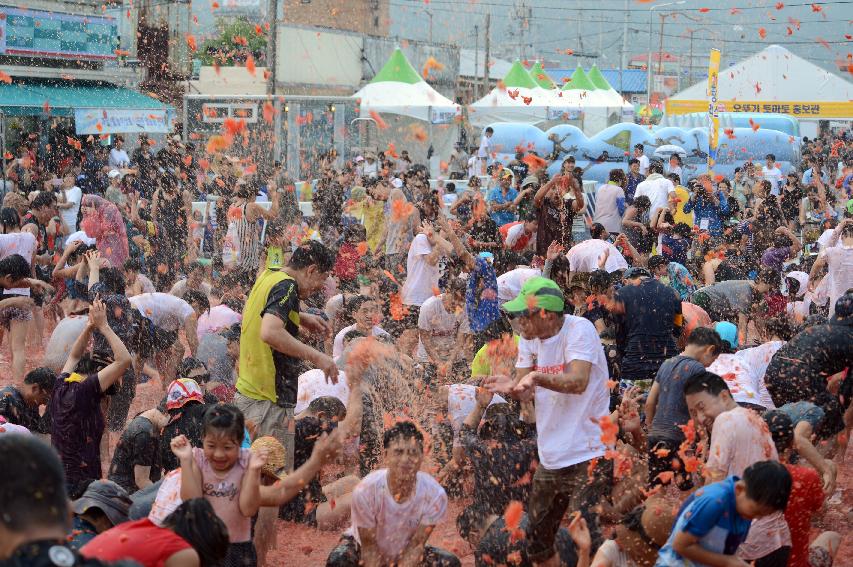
366,312
639,154
167,315
439,322
561,365
118,155
71,206
484,153
584,257
509,284
395,509
657,188
423,273
773,174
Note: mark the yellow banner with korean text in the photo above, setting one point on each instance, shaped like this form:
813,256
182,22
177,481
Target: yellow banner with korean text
713,109
797,109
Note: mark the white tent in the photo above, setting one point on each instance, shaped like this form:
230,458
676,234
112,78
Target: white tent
398,89
518,99
773,80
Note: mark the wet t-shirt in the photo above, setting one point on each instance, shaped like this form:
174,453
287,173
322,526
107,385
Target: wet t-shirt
800,369
77,425
222,490
645,331
14,408
672,410
136,447
283,302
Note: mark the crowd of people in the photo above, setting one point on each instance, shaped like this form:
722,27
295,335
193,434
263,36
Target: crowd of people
654,373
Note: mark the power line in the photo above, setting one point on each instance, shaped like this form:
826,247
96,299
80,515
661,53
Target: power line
714,23
564,7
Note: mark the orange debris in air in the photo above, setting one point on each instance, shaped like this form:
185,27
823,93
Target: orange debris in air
609,430
512,515
431,64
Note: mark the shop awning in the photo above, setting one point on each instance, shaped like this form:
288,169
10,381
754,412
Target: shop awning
99,109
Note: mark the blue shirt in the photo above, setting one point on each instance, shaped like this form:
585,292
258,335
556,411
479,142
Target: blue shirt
705,210
709,514
809,173
631,186
497,197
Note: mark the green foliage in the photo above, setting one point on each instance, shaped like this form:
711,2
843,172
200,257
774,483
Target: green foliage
236,40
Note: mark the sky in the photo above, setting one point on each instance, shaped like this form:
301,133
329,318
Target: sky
739,28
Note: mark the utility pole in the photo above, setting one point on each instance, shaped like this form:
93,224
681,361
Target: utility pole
580,35
476,81
660,44
486,61
272,14
690,62
623,59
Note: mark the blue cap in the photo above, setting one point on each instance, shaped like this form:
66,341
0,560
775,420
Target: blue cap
727,332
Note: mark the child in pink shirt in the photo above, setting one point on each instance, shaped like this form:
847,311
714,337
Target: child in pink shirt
226,476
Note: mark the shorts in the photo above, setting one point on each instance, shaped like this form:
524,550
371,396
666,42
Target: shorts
9,314
803,411
270,419
573,488
819,557
240,554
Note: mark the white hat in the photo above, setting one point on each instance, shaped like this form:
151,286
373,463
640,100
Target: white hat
396,182
359,159
114,173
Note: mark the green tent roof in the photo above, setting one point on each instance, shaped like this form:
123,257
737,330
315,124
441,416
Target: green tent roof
519,77
598,79
398,70
580,81
538,74
28,98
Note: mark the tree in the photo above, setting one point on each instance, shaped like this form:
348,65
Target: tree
238,38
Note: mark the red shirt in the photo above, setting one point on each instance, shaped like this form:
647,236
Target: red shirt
141,541
806,499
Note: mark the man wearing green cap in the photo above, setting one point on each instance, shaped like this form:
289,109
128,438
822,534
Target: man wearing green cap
561,364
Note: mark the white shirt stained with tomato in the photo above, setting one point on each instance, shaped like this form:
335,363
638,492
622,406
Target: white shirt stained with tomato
566,434
374,507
